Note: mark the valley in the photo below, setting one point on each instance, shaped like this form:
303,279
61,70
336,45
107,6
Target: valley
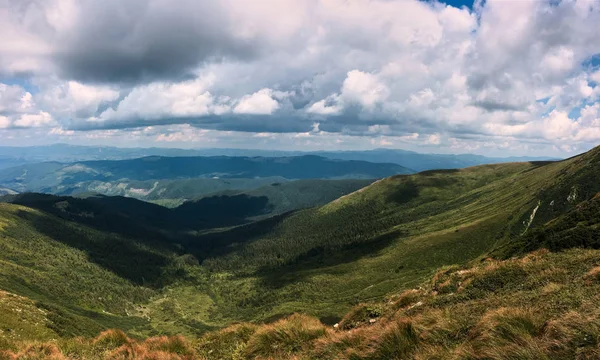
95,262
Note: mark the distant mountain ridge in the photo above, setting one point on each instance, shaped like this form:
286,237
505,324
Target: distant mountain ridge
54,177
13,156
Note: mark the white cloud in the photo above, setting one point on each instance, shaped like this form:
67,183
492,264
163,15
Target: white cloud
61,132
259,103
434,139
363,88
19,109
160,99
72,99
34,120
596,77
86,96
559,60
329,106
422,98
4,122
14,99
557,125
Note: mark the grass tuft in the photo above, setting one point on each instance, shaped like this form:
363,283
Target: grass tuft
284,338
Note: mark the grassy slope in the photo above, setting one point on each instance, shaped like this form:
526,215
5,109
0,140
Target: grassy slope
82,288
382,239
216,210
541,306
390,236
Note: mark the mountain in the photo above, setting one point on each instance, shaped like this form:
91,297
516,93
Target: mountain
293,195
57,178
413,249
297,194
174,191
423,162
118,214
14,156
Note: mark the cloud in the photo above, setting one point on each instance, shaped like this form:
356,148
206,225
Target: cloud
329,106
116,41
160,100
4,122
434,139
34,120
18,109
364,88
72,100
14,99
487,77
259,103
595,77
558,60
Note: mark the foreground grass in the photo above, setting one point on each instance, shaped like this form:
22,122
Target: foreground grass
540,306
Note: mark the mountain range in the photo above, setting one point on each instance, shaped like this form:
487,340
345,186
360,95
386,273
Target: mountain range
494,261
14,156
105,175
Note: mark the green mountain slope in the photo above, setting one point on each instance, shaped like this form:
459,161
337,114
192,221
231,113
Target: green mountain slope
387,237
390,235
287,196
539,306
133,217
82,279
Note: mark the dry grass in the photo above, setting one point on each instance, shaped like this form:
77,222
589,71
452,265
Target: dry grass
541,306
284,338
229,343
35,352
157,348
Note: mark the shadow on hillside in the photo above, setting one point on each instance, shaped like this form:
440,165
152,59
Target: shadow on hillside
542,162
142,220
438,172
220,211
221,243
125,216
537,164
125,258
321,258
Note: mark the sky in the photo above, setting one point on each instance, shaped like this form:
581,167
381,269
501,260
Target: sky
494,77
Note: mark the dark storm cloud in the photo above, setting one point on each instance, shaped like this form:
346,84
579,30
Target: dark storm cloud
140,41
242,123
491,105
